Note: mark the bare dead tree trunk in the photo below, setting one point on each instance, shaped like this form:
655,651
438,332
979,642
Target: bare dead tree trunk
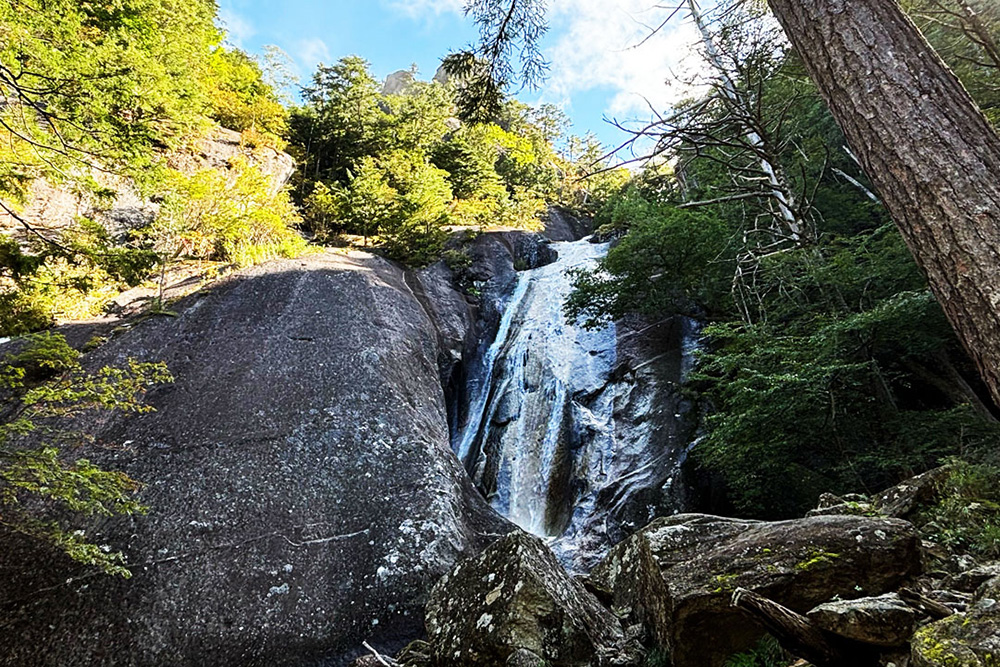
925,145
776,178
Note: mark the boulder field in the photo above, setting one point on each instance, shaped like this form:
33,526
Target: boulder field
840,589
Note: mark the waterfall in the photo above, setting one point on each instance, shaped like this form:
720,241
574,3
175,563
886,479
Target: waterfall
554,438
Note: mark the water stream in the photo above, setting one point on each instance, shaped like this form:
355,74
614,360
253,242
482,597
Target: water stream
541,438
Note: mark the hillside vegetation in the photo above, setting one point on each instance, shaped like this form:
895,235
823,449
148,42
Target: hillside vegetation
828,364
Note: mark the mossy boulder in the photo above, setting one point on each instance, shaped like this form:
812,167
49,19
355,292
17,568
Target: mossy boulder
800,564
517,598
903,500
963,640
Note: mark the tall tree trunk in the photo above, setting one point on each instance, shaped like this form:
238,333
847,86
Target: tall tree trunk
925,145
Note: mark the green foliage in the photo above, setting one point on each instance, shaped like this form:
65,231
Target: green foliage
398,169
767,653
45,489
369,202
971,47
471,172
830,406
239,217
457,260
658,658
670,258
827,365
341,123
415,235
966,516
241,100
102,81
92,89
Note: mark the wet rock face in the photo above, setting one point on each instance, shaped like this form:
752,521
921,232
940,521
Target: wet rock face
798,564
882,621
963,640
570,432
303,496
561,225
515,601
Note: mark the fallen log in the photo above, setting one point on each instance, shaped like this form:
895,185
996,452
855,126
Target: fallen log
922,603
800,637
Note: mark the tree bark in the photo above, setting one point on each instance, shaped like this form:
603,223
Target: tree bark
925,145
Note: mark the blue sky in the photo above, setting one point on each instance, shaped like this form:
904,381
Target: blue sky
597,71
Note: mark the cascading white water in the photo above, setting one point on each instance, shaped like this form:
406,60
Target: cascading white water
532,393
565,437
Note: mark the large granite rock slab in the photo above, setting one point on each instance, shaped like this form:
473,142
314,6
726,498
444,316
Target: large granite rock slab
303,495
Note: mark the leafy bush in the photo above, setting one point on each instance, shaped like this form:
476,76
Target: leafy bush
239,218
966,516
241,100
45,490
671,258
767,653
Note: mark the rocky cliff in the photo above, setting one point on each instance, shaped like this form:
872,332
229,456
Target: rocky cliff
57,207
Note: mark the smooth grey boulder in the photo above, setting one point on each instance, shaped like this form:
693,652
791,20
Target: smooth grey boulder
799,564
562,225
516,597
883,621
303,495
971,639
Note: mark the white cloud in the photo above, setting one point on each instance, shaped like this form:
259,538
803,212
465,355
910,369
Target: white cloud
238,29
309,52
608,43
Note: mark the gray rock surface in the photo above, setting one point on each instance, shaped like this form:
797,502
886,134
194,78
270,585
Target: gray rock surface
634,589
524,658
799,564
398,83
969,580
517,596
903,499
963,640
883,621
561,225
302,493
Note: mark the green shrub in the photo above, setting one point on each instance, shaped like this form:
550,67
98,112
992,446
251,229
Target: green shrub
238,218
767,653
966,517
46,489
457,260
